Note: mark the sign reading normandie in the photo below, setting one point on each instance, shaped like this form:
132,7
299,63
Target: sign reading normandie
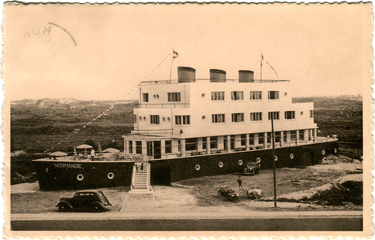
68,165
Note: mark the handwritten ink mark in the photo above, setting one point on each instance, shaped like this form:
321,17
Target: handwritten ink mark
53,24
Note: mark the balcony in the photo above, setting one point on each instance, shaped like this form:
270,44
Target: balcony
163,105
163,82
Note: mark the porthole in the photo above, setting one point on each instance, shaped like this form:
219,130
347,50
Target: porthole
140,118
169,119
240,162
203,95
323,152
157,96
144,118
258,159
301,112
221,164
110,175
80,177
203,117
154,96
291,156
163,119
197,167
276,158
285,93
335,150
47,169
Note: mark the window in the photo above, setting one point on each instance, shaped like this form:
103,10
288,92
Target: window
273,95
237,95
130,146
269,134
138,147
251,139
218,118
217,96
276,115
191,144
255,95
154,119
145,97
213,142
277,137
179,145
243,139
293,135
260,138
174,97
285,136
149,148
290,115
185,120
237,117
301,135
168,146
256,116
311,113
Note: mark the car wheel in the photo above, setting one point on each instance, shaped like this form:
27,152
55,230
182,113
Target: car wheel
97,207
63,207
235,199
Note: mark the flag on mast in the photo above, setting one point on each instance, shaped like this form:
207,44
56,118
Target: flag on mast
175,54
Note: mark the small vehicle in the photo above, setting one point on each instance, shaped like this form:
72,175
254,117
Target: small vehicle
228,193
252,168
87,200
254,193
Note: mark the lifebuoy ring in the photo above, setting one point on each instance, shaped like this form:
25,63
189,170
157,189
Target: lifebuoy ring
259,159
80,177
240,162
291,156
110,175
323,152
221,164
197,167
335,150
276,158
47,169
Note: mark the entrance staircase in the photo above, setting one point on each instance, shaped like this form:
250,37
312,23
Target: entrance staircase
141,178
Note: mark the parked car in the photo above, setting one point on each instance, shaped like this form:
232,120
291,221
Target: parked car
228,193
252,168
88,200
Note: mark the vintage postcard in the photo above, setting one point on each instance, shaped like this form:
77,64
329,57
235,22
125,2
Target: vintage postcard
187,120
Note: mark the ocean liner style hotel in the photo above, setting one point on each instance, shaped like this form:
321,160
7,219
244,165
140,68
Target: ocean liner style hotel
192,127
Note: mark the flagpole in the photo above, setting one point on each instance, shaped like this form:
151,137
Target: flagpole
170,74
261,60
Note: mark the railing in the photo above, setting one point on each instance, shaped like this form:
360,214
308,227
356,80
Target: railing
133,176
153,131
207,79
148,175
163,105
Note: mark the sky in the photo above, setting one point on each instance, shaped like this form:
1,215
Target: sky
102,52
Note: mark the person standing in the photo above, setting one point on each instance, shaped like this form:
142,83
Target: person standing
240,182
142,167
92,154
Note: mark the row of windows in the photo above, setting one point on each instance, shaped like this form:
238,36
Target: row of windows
220,96
236,117
254,139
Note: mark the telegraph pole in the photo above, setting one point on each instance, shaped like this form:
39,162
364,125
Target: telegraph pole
273,160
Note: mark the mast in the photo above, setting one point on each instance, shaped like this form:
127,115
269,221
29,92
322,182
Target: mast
273,160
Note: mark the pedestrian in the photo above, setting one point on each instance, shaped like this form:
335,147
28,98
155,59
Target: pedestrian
239,182
136,167
142,167
92,154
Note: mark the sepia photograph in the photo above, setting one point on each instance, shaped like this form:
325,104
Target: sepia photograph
187,120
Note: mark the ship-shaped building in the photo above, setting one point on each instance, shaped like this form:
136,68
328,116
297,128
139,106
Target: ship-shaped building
191,127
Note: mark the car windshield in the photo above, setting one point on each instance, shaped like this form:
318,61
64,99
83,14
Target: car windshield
102,197
251,164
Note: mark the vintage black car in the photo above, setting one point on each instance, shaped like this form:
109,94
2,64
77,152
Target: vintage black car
252,168
88,200
228,193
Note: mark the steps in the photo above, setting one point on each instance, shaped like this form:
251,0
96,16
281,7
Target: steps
140,180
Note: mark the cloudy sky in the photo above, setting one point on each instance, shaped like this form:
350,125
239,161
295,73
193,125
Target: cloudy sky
102,52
